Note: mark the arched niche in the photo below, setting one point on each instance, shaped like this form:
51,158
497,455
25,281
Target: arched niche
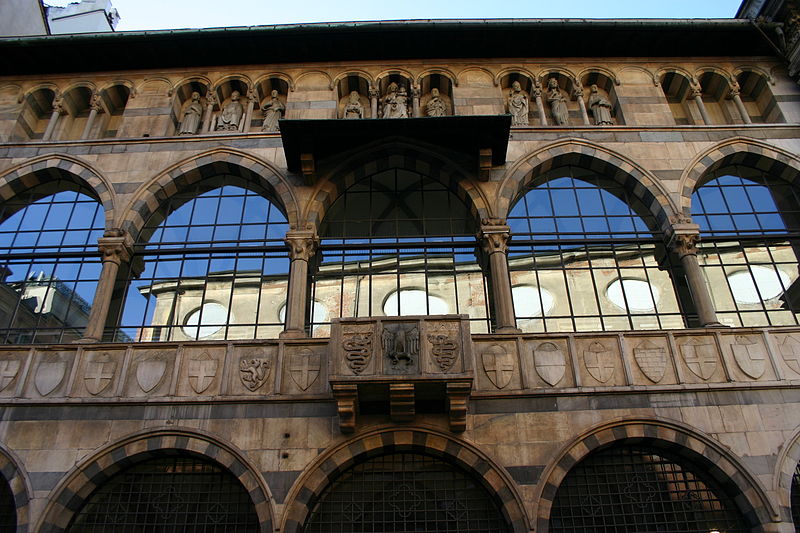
527,86
403,82
566,86
444,86
37,109
225,94
264,90
716,98
180,107
677,89
344,88
758,99
113,102
605,89
77,103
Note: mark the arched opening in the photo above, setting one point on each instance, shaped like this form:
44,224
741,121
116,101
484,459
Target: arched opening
353,97
758,99
395,96
562,88
795,496
716,98
677,90
209,264
231,97
114,99
77,104
406,492
188,110
8,507
50,266
639,487
269,110
517,89
605,90
748,254
587,255
437,96
174,492
36,112
393,231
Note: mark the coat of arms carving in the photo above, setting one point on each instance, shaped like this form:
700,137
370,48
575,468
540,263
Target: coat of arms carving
700,357
652,360
550,364
99,372
400,343
444,349
150,371
750,356
498,365
49,374
304,368
599,361
9,368
202,371
790,351
358,351
254,372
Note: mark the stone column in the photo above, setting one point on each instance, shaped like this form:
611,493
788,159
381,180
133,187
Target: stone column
735,95
537,96
697,94
116,247
96,107
578,93
683,239
494,236
58,109
373,101
211,100
244,127
415,111
302,246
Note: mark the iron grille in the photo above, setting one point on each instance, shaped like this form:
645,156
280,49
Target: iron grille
634,489
8,509
405,492
165,495
795,498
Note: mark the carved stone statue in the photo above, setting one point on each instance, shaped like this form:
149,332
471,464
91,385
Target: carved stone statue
395,102
354,109
558,104
518,105
273,112
231,114
190,122
436,106
600,106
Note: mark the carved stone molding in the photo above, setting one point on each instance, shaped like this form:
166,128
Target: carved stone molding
116,246
96,103
346,395
302,244
458,404
401,402
685,244
494,236
683,235
58,105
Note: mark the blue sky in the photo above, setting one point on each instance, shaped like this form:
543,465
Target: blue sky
164,14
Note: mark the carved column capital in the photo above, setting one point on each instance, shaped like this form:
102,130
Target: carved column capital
373,92
302,244
494,235
116,246
96,103
735,90
683,235
685,244
577,90
695,88
415,91
536,90
211,99
58,105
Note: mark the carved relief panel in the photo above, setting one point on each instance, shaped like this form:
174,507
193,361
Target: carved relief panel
50,374
699,358
13,365
787,346
99,373
251,371
201,371
548,363
498,367
747,357
599,361
651,361
304,369
150,373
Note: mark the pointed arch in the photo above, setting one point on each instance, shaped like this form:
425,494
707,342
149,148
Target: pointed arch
643,185
739,150
680,439
53,166
77,485
147,200
397,153
326,468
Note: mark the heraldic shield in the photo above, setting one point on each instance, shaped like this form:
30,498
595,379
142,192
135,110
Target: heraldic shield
304,368
550,363
202,371
50,374
9,368
498,365
750,356
700,357
150,371
99,372
790,350
599,361
652,360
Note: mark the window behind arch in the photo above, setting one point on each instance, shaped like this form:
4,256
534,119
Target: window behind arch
405,492
749,223
49,263
213,266
585,256
178,493
394,237
638,488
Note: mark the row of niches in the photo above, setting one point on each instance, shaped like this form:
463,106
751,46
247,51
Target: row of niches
552,98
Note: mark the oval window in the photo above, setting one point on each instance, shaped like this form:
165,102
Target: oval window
633,294
206,320
531,301
414,302
757,284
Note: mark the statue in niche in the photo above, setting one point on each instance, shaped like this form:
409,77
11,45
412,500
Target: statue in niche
436,106
395,103
273,112
558,104
354,109
190,122
231,114
600,106
518,105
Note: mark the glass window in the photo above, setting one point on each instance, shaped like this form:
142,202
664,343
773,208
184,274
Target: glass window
627,488
587,256
49,263
398,243
748,252
213,266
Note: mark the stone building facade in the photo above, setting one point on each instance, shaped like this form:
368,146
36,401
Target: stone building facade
506,276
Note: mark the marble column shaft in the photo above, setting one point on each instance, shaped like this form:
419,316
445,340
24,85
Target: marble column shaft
51,125
685,245
302,246
116,247
494,237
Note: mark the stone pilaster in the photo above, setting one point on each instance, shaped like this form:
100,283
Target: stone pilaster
302,246
494,236
116,247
